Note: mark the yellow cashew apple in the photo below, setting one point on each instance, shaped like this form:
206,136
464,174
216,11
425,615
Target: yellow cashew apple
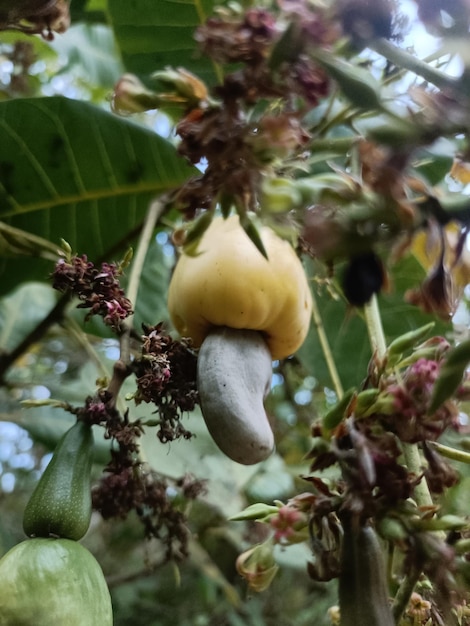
243,310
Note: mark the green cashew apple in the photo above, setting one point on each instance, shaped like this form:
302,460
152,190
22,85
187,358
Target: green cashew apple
60,506
363,591
53,582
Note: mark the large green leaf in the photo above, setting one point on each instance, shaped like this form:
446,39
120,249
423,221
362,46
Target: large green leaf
347,333
71,170
154,34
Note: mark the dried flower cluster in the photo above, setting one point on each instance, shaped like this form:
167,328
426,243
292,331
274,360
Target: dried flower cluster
98,289
275,66
395,407
130,486
137,488
166,377
410,397
42,17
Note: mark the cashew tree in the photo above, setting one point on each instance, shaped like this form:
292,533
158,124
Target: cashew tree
234,339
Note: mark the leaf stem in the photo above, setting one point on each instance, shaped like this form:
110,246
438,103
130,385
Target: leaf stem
451,453
54,316
411,455
410,451
405,60
330,361
121,368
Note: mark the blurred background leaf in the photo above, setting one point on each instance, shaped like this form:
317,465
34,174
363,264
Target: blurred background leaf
154,34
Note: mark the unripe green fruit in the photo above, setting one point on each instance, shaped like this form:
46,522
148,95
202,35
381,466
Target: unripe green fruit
60,506
363,592
53,582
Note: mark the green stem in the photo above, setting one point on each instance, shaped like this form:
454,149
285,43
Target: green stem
374,327
325,346
451,453
410,451
403,594
412,459
154,213
422,495
404,59
121,367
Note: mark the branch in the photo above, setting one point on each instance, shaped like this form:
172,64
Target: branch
121,368
404,59
412,460
55,316
325,346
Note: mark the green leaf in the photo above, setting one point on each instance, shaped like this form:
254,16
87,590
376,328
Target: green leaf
69,170
254,512
88,11
154,34
450,375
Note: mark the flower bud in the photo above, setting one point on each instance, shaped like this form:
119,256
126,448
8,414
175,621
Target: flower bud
279,195
257,566
131,96
184,87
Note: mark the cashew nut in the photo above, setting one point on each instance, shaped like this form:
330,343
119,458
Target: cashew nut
234,377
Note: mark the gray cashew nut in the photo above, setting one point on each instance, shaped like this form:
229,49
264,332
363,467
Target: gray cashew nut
234,377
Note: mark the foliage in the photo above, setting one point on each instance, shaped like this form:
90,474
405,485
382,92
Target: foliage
312,118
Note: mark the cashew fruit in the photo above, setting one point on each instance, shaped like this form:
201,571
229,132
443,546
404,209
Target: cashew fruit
243,309
230,283
60,505
52,582
363,593
234,376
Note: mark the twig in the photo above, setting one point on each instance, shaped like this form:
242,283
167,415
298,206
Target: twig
53,317
330,361
403,59
404,592
412,459
81,338
121,368
410,451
